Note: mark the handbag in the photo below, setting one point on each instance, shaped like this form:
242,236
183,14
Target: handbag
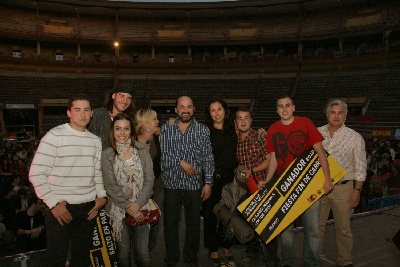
151,214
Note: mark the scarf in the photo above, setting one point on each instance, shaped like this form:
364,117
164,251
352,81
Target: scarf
129,176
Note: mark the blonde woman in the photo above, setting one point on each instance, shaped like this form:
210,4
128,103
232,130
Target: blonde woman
146,125
128,178
147,132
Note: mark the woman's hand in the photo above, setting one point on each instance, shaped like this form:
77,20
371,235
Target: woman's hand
132,208
138,216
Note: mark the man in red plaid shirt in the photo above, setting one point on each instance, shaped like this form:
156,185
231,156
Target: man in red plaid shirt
252,153
252,147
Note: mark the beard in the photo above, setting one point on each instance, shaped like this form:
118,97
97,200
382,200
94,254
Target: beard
185,117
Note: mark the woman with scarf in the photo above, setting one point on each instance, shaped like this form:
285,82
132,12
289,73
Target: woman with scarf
128,178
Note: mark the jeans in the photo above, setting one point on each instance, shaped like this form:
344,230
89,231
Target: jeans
158,197
75,237
133,248
270,253
191,201
310,219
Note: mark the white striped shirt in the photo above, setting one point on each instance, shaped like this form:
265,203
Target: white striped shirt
66,167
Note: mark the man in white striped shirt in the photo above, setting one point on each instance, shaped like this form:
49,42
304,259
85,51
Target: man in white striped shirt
66,175
348,148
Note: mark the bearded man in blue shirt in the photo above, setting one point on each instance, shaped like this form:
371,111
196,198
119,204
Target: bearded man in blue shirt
187,166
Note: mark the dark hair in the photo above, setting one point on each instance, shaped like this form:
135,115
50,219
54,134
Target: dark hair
244,109
31,199
285,96
121,88
228,125
118,117
72,99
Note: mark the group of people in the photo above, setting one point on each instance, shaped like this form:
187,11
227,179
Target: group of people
111,157
17,200
383,169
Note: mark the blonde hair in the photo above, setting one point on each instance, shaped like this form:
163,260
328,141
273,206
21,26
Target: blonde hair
143,116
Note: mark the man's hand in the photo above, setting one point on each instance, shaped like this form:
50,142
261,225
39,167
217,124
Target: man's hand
171,121
206,192
262,132
36,232
261,184
98,203
187,168
61,213
328,186
354,199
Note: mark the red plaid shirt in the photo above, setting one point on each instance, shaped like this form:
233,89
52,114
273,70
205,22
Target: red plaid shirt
251,151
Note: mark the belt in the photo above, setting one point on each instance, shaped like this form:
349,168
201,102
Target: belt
343,182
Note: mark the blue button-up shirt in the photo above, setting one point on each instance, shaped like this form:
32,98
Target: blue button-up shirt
193,146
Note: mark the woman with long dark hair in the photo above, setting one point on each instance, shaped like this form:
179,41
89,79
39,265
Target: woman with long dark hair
223,141
128,178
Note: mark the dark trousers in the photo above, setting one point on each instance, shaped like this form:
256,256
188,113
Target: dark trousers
214,231
270,253
75,237
191,201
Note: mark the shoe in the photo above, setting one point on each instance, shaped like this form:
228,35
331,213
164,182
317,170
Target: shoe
246,261
230,262
215,262
192,264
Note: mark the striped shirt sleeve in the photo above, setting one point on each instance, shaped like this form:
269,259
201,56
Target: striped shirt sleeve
41,166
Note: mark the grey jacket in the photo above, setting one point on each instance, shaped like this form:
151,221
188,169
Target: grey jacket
114,193
100,125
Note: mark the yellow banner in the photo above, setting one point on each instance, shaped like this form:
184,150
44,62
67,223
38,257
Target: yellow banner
270,210
103,251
